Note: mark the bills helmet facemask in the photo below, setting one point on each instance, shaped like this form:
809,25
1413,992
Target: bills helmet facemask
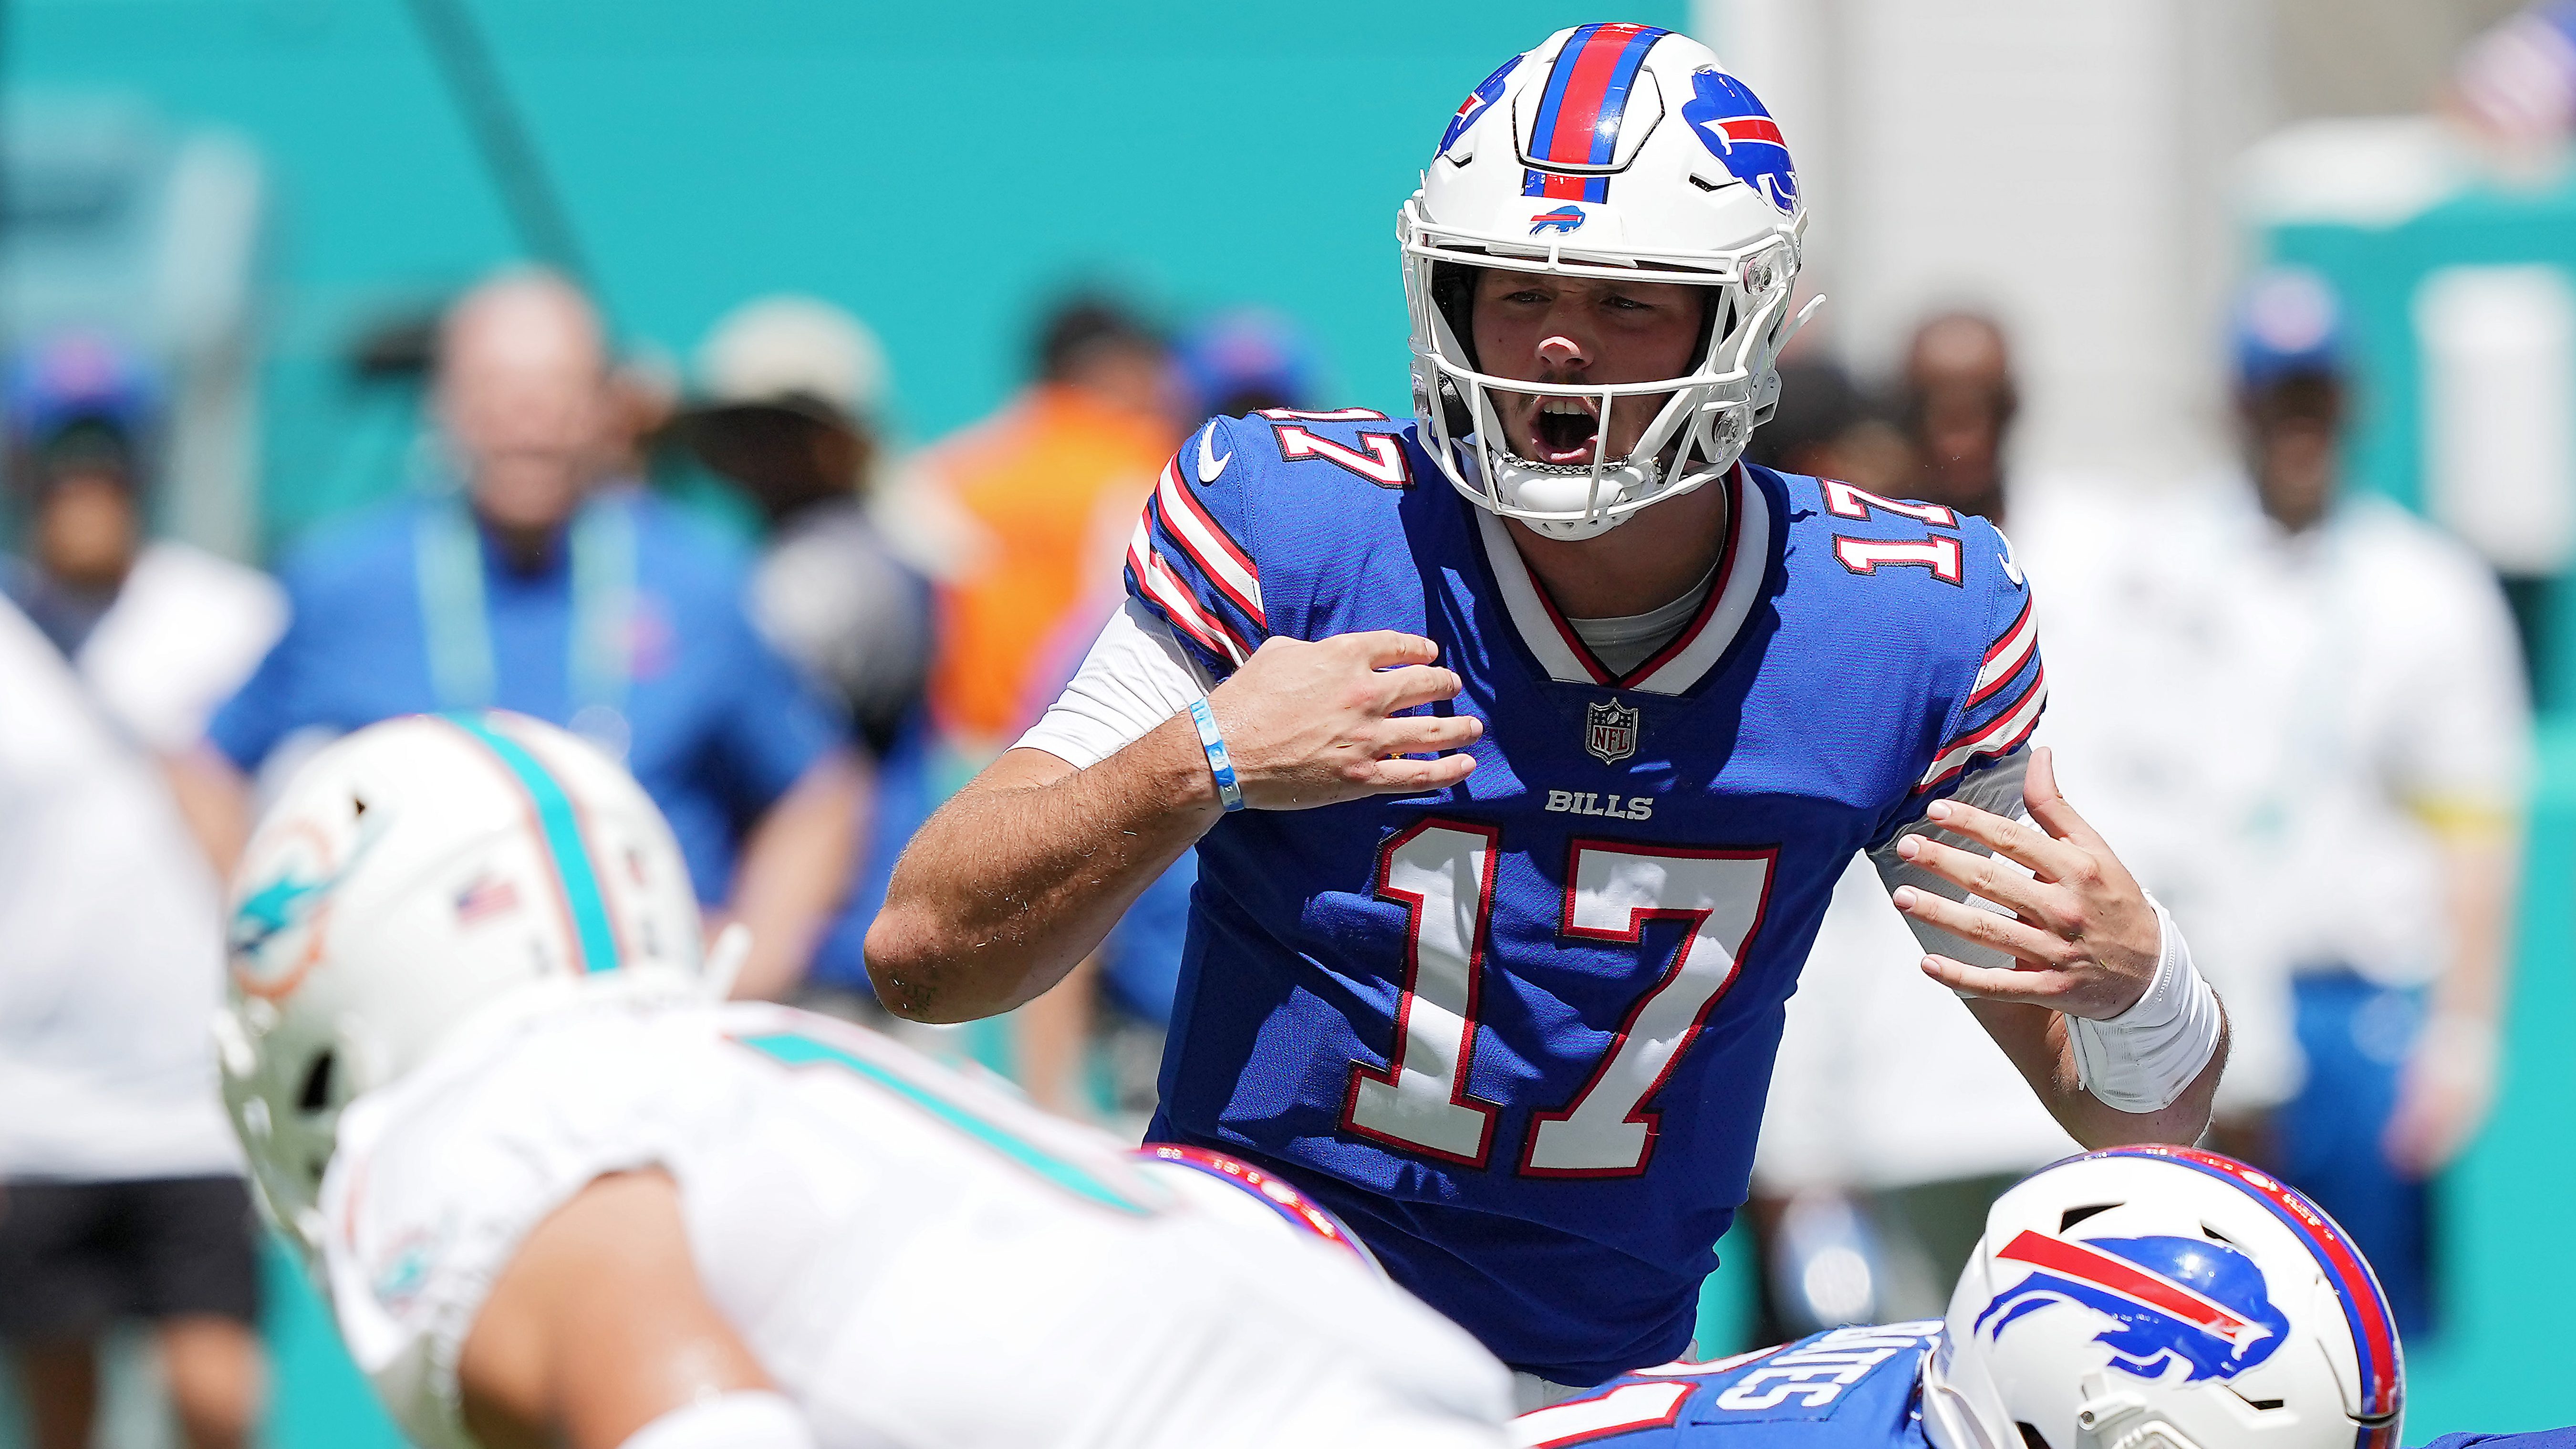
416,874
1610,151
2164,1298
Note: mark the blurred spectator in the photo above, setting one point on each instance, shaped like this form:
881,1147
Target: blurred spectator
2306,714
1242,360
1231,363
1959,404
123,1196
2515,85
792,388
1871,1181
1052,485
1826,426
2389,738
792,395
548,585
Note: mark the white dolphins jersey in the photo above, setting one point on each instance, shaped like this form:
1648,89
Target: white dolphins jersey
916,1258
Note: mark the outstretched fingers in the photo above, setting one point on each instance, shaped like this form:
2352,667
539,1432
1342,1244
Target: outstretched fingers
1402,776
2012,937
2047,805
1424,734
1391,648
2050,859
1991,983
1418,684
1990,877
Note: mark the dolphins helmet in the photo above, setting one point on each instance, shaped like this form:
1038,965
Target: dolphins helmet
1618,151
410,876
2164,1298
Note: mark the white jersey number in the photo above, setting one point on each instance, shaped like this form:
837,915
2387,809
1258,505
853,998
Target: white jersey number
1443,873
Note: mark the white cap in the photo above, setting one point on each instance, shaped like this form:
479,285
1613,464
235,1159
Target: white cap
775,348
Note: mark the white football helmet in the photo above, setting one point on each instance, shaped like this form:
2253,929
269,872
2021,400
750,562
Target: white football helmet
1616,150
2164,1298
415,874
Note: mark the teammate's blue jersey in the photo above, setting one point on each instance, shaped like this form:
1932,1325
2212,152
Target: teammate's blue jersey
1518,1032
1846,1388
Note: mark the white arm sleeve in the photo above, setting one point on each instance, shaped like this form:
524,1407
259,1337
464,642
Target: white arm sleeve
1134,678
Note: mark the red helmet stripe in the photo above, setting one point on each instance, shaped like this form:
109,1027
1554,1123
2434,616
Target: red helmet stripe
1587,94
2374,1330
2088,1264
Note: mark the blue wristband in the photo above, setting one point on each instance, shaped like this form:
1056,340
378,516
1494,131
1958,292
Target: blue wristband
1220,764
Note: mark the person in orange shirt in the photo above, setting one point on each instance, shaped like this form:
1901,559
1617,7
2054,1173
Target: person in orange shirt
1050,485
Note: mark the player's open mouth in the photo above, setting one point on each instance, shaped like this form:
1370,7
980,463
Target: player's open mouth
1562,431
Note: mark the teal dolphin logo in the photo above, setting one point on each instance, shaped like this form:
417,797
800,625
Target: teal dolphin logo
274,908
294,895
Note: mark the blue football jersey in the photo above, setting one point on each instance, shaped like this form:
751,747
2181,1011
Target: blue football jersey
1845,1388
1518,1033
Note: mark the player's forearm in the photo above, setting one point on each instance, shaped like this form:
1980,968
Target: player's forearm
796,867
2035,1039
2181,1122
214,800
1021,875
2481,879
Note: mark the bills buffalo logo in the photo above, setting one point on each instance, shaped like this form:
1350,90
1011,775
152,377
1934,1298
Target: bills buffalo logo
1732,123
1563,219
1610,730
1479,101
2170,1301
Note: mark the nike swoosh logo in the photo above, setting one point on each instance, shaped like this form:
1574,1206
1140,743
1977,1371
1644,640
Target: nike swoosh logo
1210,465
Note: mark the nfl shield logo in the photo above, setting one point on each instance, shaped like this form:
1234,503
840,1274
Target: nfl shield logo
1610,731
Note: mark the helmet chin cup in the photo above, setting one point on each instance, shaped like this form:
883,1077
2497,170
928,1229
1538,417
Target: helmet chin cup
2113,1420
1542,497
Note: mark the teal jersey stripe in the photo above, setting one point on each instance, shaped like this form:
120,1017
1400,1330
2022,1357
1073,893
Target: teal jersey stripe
797,1050
562,831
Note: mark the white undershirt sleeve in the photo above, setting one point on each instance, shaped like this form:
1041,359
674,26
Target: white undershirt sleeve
1135,677
1994,788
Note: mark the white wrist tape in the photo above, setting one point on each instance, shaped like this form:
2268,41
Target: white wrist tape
2140,1060
746,1419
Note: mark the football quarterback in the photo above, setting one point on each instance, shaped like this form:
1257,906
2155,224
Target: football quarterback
1522,742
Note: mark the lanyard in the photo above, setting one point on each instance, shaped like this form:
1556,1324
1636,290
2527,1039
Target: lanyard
457,625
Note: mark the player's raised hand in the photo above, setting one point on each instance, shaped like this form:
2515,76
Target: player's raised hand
2081,927
1308,723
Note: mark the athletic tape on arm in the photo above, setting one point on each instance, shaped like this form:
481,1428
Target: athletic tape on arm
2142,1059
745,1419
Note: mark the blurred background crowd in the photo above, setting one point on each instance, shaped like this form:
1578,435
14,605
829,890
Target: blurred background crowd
767,393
